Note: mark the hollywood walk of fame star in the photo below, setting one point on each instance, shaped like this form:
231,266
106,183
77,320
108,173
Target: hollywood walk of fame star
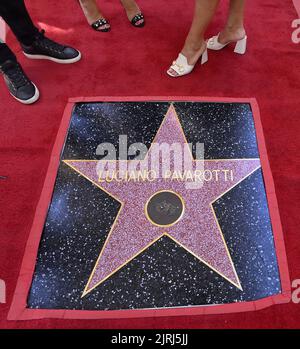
144,203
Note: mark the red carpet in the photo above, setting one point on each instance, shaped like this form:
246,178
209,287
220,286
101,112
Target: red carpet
129,61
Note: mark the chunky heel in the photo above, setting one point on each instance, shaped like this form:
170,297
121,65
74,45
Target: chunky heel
204,57
214,44
241,46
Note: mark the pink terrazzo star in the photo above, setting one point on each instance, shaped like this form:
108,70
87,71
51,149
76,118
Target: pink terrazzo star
197,231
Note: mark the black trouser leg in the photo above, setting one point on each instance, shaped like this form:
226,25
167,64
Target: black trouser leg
17,17
6,53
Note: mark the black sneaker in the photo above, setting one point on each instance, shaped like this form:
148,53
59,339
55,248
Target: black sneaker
44,48
19,86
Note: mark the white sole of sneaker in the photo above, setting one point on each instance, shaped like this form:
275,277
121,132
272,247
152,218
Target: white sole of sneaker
32,99
56,60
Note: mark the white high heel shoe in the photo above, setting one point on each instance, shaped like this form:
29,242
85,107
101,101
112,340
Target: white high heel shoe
240,47
181,66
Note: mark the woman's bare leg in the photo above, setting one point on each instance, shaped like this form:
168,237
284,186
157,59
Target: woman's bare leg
91,11
194,44
131,8
203,14
234,29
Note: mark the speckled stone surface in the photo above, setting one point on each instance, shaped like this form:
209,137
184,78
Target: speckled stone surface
165,274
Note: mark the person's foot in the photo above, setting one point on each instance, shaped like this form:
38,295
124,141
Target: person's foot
231,34
18,84
192,52
45,48
94,17
101,25
133,13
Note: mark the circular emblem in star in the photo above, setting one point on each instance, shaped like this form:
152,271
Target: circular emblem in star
164,208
